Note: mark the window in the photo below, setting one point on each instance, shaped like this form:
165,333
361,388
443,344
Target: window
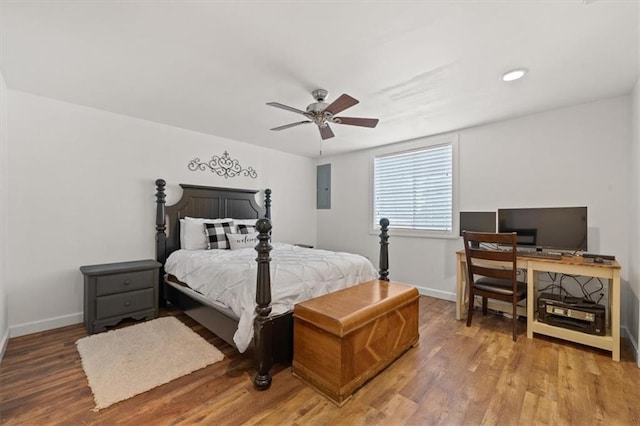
414,189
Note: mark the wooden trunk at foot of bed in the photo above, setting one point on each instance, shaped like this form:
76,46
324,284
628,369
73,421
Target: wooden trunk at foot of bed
345,338
273,334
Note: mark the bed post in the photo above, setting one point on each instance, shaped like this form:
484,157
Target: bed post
267,203
384,249
262,326
161,226
161,236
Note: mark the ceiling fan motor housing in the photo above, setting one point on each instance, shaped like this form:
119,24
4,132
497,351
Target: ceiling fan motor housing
315,111
317,107
319,95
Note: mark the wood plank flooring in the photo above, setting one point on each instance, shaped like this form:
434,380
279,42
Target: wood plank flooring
456,376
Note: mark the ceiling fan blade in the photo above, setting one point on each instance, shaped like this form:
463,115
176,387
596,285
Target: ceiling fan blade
288,108
286,126
326,132
343,102
355,121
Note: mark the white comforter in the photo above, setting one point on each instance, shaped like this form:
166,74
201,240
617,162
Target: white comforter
297,274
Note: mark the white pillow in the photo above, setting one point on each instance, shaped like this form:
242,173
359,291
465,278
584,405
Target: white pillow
192,233
245,221
239,241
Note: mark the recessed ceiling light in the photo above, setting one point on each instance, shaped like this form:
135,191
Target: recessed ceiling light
514,74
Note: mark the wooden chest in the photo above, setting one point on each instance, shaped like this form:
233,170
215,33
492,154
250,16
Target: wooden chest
345,338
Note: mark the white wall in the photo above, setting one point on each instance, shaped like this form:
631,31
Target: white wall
4,324
83,193
569,157
631,295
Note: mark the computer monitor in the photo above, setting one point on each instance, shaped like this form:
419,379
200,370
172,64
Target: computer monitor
560,228
477,221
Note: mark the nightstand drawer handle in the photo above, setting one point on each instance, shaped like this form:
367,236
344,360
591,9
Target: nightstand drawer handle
127,282
127,303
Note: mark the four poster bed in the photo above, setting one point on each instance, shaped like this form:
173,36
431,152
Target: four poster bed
270,332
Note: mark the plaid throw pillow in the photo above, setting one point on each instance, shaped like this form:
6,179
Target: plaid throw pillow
246,229
217,234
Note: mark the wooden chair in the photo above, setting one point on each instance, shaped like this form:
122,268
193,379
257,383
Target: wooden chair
492,272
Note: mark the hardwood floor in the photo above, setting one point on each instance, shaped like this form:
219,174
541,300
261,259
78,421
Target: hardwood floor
457,375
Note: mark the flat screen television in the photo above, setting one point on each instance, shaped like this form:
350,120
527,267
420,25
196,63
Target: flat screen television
560,228
477,221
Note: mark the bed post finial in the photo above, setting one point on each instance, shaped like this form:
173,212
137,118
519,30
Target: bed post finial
267,203
384,249
161,225
262,325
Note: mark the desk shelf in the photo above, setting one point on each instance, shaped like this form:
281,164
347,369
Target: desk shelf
602,342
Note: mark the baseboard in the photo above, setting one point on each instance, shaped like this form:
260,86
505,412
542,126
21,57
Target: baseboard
46,324
634,344
3,343
439,294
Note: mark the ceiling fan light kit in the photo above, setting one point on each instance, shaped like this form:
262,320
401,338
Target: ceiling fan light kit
322,113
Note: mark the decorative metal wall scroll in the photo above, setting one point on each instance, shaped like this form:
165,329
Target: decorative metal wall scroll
222,166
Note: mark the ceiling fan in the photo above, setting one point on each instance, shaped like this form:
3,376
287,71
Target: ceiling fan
322,113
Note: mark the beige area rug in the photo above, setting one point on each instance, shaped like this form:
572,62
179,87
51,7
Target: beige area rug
122,363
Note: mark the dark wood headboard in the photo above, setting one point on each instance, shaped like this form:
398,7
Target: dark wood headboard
202,201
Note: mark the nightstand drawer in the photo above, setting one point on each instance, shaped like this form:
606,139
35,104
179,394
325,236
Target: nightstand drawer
127,281
124,303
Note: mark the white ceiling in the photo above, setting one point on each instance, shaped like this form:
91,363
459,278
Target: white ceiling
422,68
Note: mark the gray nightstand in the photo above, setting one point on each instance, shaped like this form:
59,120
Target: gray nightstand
115,291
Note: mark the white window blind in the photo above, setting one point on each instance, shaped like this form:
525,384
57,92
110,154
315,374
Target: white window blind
414,189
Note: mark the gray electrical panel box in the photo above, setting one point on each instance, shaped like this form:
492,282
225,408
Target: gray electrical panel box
323,186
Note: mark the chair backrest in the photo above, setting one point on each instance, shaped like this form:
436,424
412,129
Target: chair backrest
489,262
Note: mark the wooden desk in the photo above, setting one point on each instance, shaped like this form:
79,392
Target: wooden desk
567,265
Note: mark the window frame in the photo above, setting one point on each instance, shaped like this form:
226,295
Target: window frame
416,145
